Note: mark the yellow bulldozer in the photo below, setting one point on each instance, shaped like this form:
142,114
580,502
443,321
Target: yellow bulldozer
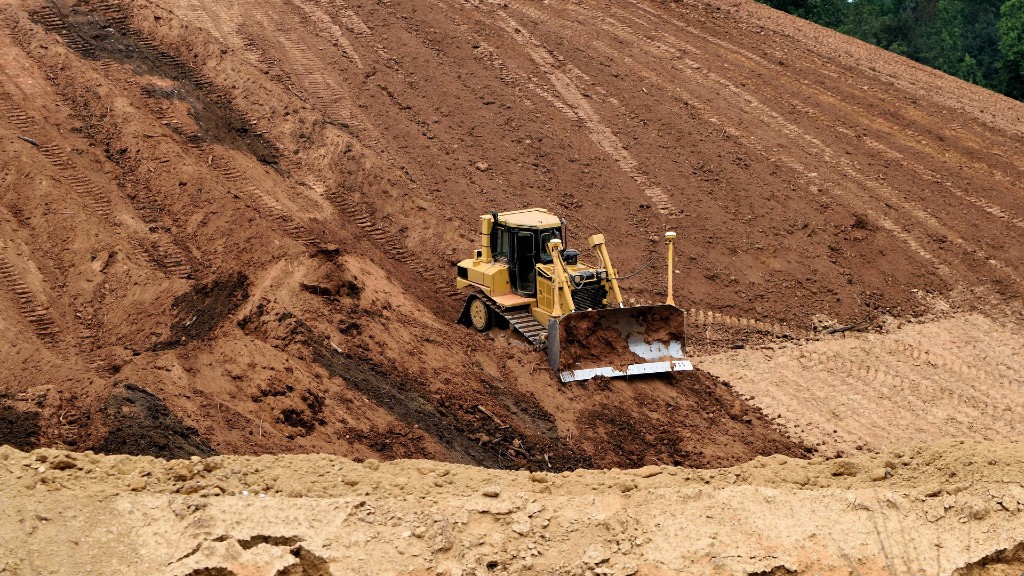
523,277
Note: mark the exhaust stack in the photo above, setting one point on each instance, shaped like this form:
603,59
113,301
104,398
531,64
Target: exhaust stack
486,225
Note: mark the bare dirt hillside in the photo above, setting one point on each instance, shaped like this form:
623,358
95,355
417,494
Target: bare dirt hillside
952,508
231,226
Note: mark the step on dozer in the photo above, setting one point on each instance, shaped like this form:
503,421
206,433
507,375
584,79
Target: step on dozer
524,278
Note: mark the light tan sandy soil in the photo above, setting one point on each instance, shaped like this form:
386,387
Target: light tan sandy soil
953,375
950,508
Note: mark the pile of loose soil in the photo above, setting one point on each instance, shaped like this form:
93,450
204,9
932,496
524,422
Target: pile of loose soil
165,167
596,338
139,423
199,311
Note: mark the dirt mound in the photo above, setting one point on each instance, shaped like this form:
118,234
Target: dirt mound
169,166
692,420
706,425
597,338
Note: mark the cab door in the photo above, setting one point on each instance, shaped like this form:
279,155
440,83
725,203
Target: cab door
523,265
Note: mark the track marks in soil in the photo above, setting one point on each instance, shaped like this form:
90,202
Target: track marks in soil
32,307
304,66
828,100
571,101
226,167
105,28
56,155
325,26
802,143
396,249
161,249
955,377
216,122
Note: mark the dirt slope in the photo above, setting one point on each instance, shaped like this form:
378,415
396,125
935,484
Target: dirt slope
952,508
249,210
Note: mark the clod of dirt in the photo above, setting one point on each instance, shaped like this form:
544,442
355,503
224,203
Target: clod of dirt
200,310
140,424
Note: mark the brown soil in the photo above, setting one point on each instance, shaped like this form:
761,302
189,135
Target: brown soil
703,424
251,210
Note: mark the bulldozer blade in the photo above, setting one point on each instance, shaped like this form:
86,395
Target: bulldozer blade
618,342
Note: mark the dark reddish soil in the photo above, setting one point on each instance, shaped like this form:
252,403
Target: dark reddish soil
140,424
169,169
198,312
18,428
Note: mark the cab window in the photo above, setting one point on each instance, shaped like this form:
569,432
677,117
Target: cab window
500,243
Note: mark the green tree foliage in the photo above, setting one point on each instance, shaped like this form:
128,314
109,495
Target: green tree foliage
981,41
1011,42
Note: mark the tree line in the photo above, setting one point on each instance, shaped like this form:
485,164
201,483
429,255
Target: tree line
980,41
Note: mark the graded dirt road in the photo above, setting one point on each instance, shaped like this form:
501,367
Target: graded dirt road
953,508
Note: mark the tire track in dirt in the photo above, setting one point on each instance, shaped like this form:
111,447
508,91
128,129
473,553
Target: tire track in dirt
219,163
870,381
843,79
307,78
830,101
304,67
324,26
853,60
812,180
225,166
886,196
32,307
358,214
571,102
702,317
358,27
922,379
76,179
194,12
159,248
926,174
153,246
695,70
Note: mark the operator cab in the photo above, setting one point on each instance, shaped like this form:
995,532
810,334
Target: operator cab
521,239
